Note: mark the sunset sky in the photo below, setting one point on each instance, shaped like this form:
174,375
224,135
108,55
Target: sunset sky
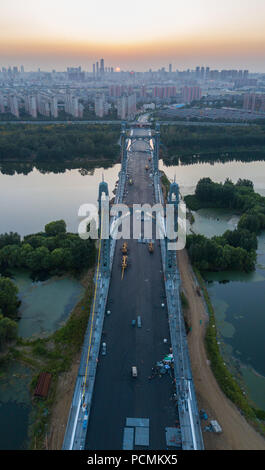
134,34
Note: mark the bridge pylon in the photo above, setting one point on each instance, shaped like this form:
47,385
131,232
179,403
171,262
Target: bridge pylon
103,207
156,148
171,258
123,147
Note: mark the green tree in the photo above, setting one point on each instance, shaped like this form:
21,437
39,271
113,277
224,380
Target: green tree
55,228
8,330
8,297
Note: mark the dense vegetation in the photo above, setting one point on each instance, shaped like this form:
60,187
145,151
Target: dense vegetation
195,143
8,307
49,143
47,253
234,250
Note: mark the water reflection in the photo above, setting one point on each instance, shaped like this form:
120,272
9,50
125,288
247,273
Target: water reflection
29,202
15,405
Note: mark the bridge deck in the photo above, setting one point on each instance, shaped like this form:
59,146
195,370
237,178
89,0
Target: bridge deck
117,395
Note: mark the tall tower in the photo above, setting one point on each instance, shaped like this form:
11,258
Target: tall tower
103,207
102,67
156,148
171,256
123,147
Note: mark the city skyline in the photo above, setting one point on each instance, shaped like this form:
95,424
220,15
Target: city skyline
56,34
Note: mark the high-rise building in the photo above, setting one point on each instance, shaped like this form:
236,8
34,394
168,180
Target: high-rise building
254,102
132,105
115,91
72,106
163,92
30,103
102,68
54,107
99,105
75,74
190,94
198,72
170,68
122,106
2,103
126,106
13,105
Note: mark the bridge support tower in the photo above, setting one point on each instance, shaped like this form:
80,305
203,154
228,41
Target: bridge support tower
103,207
171,258
123,148
156,148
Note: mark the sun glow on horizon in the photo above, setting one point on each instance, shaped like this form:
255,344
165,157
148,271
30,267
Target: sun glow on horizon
62,30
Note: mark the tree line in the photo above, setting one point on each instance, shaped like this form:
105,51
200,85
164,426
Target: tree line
58,142
45,254
185,141
234,250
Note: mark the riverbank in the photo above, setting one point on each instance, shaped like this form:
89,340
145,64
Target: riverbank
237,433
66,380
58,354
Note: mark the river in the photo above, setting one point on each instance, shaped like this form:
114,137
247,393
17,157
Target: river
238,298
29,201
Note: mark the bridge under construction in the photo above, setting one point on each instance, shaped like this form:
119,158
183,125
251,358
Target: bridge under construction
134,388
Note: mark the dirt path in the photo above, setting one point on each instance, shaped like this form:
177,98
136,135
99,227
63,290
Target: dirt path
61,407
237,433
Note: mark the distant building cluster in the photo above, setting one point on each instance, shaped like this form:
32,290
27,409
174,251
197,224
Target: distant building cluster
99,69
40,104
164,92
105,92
254,102
205,73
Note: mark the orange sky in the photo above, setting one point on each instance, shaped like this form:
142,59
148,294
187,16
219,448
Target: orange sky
136,35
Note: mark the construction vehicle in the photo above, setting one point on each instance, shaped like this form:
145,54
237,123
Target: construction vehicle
151,247
124,264
125,248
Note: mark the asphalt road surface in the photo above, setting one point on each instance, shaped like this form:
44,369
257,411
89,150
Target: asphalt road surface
117,395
